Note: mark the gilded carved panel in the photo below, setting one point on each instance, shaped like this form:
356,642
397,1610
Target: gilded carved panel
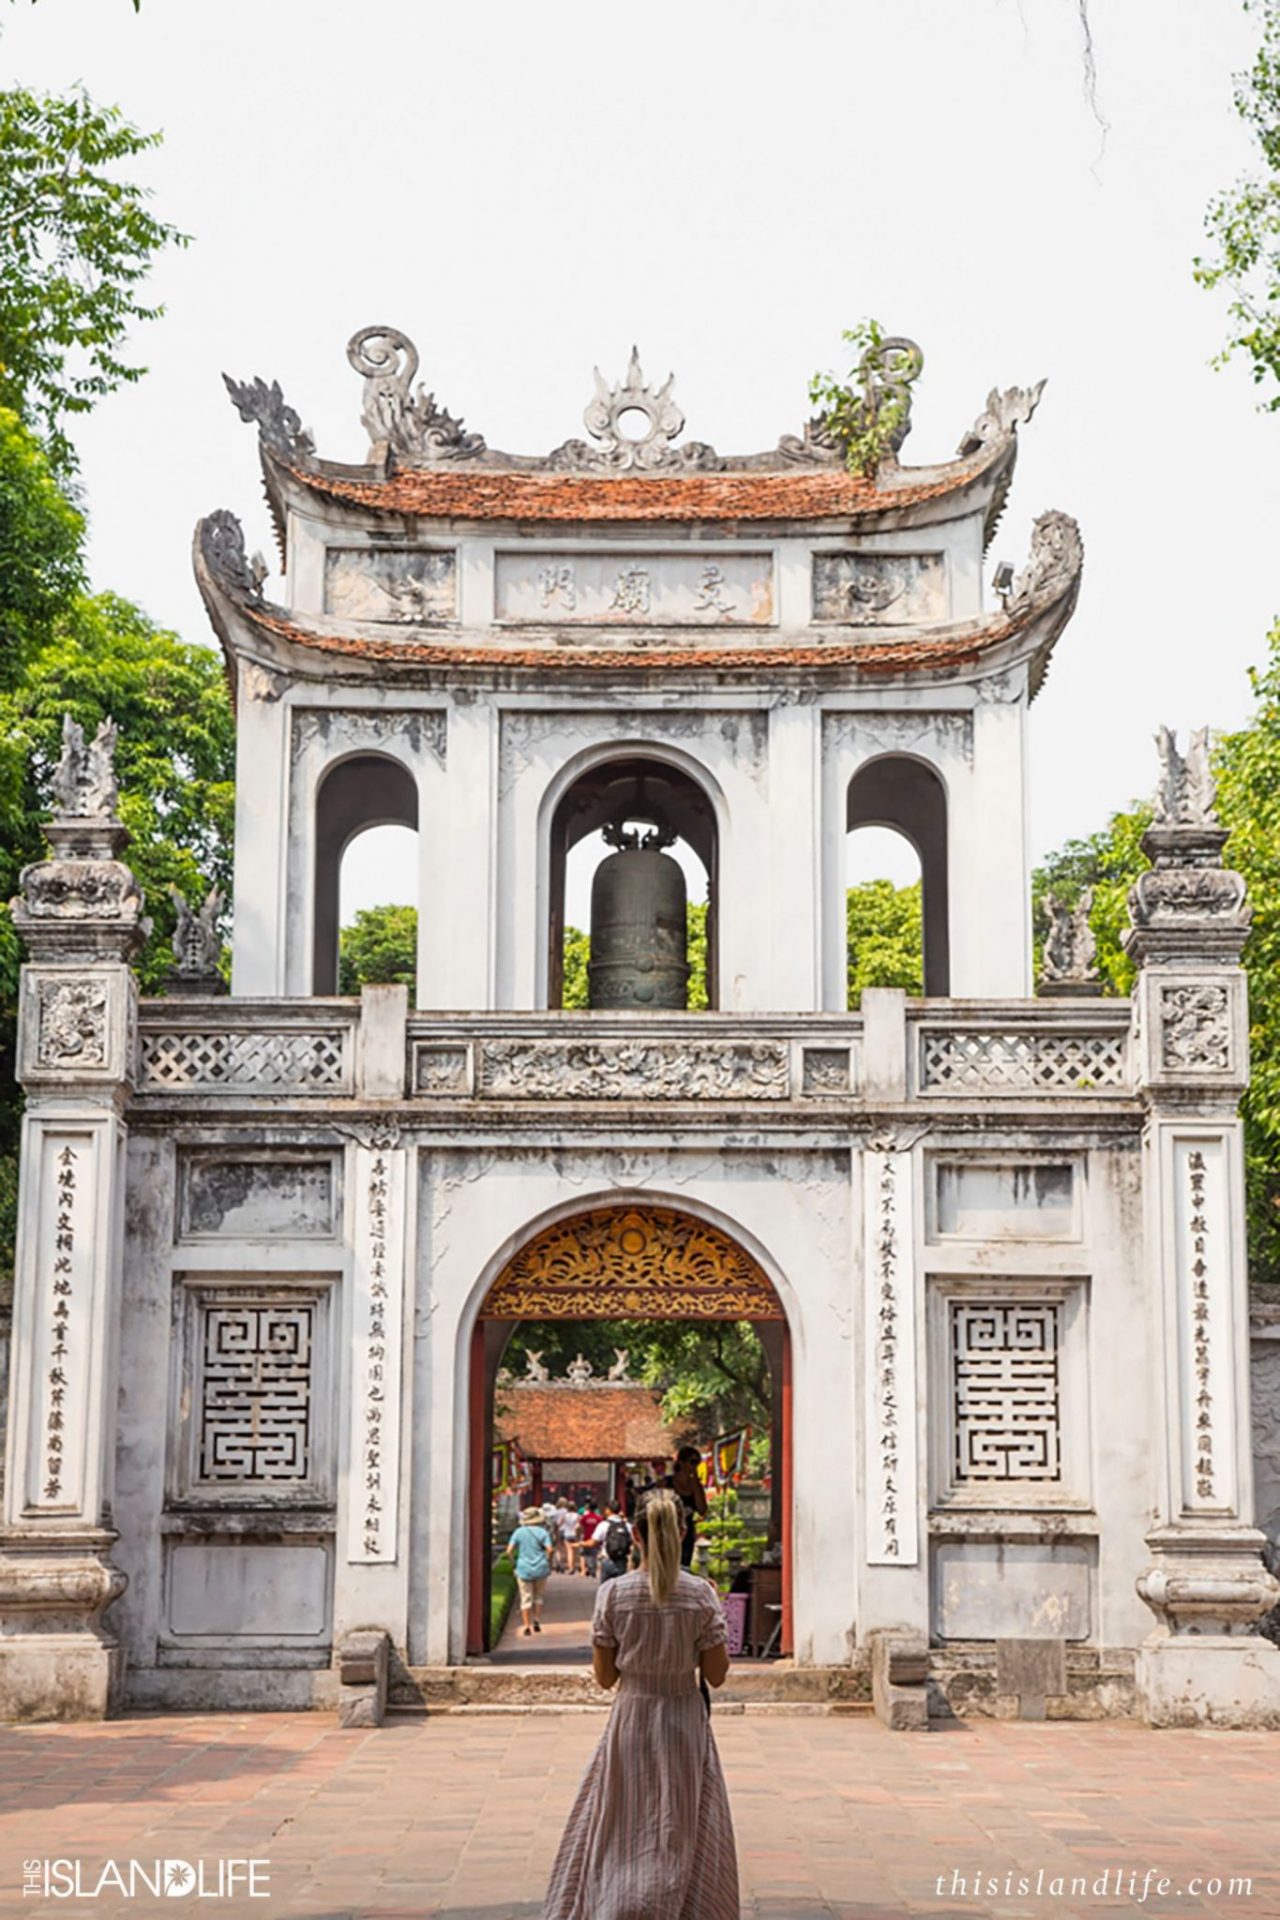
642,1263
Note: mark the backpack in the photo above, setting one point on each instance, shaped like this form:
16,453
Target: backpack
617,1540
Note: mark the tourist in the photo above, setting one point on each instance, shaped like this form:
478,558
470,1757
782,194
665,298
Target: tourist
654,1633
558,1517
530,1548
571,1535
613,1540
685,1480
589,1551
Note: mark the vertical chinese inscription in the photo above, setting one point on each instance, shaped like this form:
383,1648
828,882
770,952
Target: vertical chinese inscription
891,1361
376,1348
66,1186
1201,1358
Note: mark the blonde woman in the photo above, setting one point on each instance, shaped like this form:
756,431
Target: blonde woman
650,1836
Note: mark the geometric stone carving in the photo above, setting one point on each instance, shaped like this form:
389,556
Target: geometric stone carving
295,1060
255,1397
962,1061
635,1069
1004,1360
648,1263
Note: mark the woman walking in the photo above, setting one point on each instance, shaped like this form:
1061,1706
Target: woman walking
650,1836
530,1548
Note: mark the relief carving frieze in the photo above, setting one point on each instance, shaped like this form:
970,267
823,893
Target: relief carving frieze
413,586
745,734
633,1070
1195,1028
879,589
649,1263
873,731
72,1024
347,727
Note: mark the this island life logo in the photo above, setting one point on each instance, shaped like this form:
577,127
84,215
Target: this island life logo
223,1879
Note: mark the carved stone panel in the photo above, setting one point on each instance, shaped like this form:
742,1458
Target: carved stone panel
879,589
1195,1028
634,1070
344,729
75,1025
441,1070
891,1387
241,1196
410,586
627,588
379,1174
1006,1391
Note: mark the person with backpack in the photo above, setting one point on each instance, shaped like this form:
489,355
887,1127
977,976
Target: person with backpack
650,1836
613,1537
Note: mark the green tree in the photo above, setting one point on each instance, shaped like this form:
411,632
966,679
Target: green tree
379,949
577,953
1244,221
41,543
885,937
76,241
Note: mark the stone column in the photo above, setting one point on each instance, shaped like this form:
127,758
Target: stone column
80,912
1207,1585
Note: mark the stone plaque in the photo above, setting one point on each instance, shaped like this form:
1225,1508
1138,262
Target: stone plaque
974,1202
879,589
377,1331
620,588
1005,1589
416,586
234,1591
242,1198
890,1386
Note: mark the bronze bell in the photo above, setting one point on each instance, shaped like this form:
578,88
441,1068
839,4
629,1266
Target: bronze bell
639,926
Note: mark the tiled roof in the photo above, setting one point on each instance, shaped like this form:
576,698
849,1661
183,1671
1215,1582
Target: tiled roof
563,1422
789,493
958,648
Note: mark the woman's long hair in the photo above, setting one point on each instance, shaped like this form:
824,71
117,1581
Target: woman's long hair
660,1524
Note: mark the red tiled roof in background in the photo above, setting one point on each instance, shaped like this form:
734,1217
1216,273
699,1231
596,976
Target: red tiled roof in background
585,1423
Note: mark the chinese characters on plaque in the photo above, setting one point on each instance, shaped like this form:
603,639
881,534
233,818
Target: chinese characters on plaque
377,1322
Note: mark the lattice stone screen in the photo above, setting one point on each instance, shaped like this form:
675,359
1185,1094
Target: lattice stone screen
1007,1391
296,1060
969,1060
254,1392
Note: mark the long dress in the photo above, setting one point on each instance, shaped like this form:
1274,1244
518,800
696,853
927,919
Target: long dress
650,1836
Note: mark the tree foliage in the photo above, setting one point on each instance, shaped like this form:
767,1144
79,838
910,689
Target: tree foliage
1109,862
379,949
1244,221
76,241
885,934
866,413
41,542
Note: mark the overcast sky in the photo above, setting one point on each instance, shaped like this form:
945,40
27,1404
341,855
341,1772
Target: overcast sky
527,190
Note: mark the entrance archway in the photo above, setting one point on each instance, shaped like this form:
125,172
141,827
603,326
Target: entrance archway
633,1261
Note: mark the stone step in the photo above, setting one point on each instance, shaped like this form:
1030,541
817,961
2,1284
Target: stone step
780,1684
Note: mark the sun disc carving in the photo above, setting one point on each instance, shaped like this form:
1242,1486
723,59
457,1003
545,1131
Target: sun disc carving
641,1263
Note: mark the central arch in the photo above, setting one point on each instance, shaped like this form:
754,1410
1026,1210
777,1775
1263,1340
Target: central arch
620,1260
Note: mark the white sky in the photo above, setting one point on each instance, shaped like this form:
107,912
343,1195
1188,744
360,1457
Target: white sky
527,190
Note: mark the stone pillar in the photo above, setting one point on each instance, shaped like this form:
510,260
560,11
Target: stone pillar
80,913
1207,1585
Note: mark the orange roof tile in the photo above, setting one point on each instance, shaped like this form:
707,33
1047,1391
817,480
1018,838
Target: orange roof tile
586,1423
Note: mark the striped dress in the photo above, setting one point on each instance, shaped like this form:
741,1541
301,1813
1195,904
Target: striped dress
650,1836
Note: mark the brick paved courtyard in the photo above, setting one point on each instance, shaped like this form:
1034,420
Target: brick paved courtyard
460,1816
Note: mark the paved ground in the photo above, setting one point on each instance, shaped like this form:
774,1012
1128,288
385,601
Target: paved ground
460,1817
565,1639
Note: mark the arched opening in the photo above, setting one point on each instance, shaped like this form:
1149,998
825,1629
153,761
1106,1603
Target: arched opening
631,792
908,798
362,793
613,1272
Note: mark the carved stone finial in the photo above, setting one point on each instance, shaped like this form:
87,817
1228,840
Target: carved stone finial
618,1371
1057,555
1187,791
1003,414
533,1367
1188,909
888,372
649,451
197,943
222,544
412,426
82,903
279,426
1070,949
579,1371
84,780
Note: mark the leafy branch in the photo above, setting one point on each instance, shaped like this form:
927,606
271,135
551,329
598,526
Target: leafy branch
868,413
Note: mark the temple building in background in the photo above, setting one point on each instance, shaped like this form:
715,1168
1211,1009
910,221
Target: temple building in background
273,1244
